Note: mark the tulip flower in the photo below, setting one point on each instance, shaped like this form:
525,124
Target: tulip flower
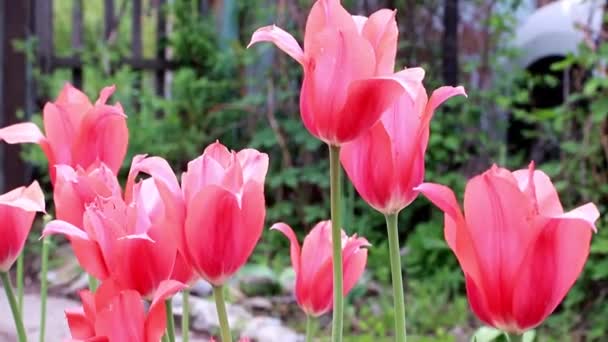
114,314
76,188
129,240
224,193
387,162
77,132
313,265
225,211
348,67
17,211
519,251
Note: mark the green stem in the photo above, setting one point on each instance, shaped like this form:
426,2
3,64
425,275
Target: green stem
336,236
514,337
46,244
170,321
395,256
92,283
185,315
165,338
20,272
220,305
6,283
309,328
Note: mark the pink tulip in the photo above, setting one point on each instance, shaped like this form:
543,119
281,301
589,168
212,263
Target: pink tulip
173,206
76,188
520,253
78,133
224,194
113,314
348,67
387,162
131,240
17,211
313,265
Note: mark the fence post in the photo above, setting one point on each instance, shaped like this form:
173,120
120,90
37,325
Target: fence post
161,42
13,26
77,44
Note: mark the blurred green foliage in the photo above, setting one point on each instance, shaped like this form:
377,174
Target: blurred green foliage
249,98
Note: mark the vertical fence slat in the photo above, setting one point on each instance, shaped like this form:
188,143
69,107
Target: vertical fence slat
203,6
161,37
44,32
77,43
136,32
108,18
13,97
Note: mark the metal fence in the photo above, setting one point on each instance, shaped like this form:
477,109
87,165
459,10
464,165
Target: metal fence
24,20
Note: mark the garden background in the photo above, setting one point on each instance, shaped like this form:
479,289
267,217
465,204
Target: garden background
185,79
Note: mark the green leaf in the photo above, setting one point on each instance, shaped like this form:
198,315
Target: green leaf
486,334
529,336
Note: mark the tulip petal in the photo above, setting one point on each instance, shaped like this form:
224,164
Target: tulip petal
317,292
382,32
16,225
219,153
60,132
17,211
442,94
282,39
374,181
87,251
29,198
25,132
126,312
105,94
69,206
80,326
477,301
342,64
182,271
156,320
253,214
496,212
294,248
212,222
327,14
103,135
367,100
354,259
552,266
142,263
254,165
546,195
74,102
439,96
316,249
157,168
444,198
88,304
457,234
403,125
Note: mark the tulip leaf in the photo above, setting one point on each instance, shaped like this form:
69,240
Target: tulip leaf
486,334
529,336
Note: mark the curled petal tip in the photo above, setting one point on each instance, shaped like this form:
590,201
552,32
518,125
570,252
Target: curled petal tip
461,91
281,38
281,226
364,242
